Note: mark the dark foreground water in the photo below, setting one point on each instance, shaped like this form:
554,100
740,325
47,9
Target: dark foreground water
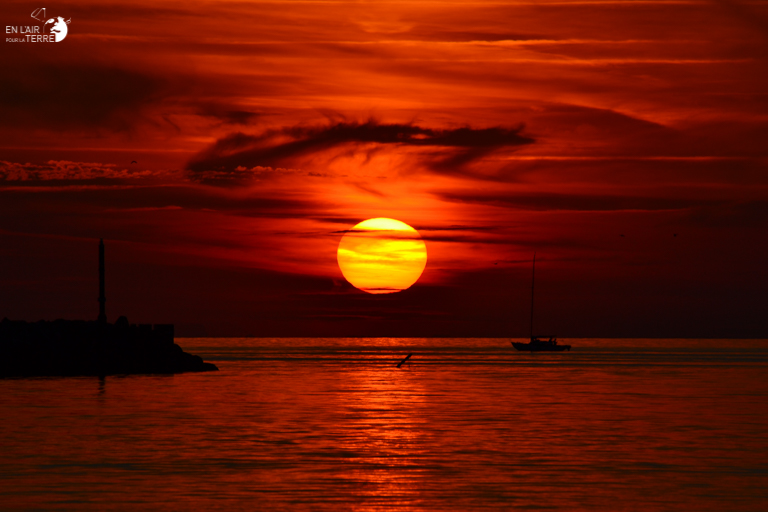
331,424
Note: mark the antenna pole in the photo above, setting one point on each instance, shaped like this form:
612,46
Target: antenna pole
102,298
533,281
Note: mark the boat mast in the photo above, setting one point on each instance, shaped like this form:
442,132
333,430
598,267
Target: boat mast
533,281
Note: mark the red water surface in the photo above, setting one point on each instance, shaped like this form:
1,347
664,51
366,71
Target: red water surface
300,424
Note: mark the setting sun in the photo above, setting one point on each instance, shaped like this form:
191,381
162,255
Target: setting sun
382,255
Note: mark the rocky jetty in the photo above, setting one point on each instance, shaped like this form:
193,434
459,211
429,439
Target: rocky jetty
80,347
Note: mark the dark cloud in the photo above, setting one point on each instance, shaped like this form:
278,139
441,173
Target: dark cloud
752,14
228,114
281,147
349,221
27,209
575,202
636,171
434,33
57,95
452,233
731,215
59,173
381,234
240,175
99,93
458,228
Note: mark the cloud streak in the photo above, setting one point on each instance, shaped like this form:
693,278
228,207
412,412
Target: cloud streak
289,145
65,172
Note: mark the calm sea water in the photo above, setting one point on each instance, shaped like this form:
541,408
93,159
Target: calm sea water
331,424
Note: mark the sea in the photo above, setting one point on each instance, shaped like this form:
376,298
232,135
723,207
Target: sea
335,425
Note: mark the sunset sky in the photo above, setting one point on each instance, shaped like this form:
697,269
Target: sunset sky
625,142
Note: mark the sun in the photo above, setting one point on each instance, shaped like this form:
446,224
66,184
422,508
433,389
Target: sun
382,255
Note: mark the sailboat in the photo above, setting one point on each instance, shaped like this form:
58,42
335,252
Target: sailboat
537,344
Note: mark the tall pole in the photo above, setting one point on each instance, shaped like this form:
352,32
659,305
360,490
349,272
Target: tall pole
102,298
533,281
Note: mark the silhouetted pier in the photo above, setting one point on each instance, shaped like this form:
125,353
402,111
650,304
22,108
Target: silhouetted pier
81,347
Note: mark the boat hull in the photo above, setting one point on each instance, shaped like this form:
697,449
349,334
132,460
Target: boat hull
540,347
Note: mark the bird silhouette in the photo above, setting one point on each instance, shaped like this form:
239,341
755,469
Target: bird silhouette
134,162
